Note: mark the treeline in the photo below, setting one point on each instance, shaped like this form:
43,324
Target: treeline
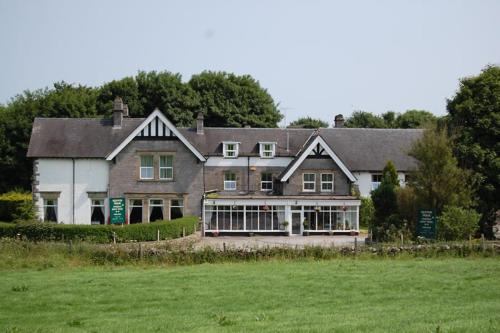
227,100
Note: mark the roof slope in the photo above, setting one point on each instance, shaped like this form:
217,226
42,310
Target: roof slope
361,149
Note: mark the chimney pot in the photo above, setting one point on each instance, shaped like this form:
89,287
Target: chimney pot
125,110
339,120
199,124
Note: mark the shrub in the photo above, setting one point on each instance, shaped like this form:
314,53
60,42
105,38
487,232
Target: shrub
456,223
15,205
38,231
366,212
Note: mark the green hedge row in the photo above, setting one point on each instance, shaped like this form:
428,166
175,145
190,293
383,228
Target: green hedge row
38,231
15,205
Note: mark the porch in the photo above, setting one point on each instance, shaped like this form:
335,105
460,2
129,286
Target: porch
281,216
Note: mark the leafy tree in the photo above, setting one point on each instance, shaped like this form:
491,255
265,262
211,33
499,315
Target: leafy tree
389,119
474,118
457,223
308,122
438,181
385,204
415,119
228,100
366,212
363,119
125,88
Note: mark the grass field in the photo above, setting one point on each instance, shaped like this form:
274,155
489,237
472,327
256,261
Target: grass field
345,295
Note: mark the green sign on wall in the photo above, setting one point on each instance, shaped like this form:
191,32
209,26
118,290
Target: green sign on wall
426,226
117,210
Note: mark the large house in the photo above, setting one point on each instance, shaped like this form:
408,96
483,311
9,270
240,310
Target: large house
260,180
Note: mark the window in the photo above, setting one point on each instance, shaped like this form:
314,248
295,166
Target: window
147,167
230,149
176,208
97,211
156,210
309,182
267,149
266,181
376,180
135,211
167,167
327,182
229,181
50,210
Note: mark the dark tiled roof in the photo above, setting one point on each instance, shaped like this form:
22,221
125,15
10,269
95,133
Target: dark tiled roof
72,137
360,149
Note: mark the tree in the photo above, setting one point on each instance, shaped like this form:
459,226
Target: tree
308,122
363,119
385,204
228,100
438,181
474,118
415,119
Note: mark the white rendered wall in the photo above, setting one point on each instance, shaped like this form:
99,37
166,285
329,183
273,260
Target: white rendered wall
364,181
56,175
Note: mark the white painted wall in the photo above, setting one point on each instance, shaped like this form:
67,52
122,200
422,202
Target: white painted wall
364,181
56,175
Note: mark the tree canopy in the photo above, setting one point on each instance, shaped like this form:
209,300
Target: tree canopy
474,117
308,122
391,119
225,99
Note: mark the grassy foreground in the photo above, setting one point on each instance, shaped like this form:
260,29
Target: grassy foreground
344,295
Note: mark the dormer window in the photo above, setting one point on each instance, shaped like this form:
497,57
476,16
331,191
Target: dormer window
230,149
267,149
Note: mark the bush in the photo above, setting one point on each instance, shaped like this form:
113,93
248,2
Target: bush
15,206
456,223
366,212
38,231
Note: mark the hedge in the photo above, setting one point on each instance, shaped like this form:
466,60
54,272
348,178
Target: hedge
39,231
12,205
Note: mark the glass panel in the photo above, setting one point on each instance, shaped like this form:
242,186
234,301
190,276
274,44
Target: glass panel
176,208
252,216
166,161
50,210
309,177
136,215
97,212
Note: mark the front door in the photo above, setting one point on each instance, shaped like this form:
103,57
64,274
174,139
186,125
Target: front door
296,223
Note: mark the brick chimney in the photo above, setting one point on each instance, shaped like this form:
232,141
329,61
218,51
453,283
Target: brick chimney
117,112
125,110
199,124
339,120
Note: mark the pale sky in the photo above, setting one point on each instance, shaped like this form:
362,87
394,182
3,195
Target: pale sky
316,58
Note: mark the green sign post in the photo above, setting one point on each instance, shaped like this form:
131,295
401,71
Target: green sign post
117,210
426,226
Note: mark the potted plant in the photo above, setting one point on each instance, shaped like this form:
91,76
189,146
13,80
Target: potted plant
306,227
284,226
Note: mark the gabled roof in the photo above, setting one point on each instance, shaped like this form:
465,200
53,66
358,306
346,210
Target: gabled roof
360,149
169,125
311,144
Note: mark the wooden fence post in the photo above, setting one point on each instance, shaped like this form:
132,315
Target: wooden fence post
157,235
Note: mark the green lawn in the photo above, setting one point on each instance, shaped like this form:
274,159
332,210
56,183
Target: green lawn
346,295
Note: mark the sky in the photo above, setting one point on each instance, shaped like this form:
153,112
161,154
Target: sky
315,58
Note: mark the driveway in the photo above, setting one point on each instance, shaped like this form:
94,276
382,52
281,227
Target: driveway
245,242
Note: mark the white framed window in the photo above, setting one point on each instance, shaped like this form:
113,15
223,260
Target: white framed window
230,149
50,210
266,181
176,208
376,180
267,149
229,181
147,171
97,215
156,210
135,211
327,182
309,182
166,167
